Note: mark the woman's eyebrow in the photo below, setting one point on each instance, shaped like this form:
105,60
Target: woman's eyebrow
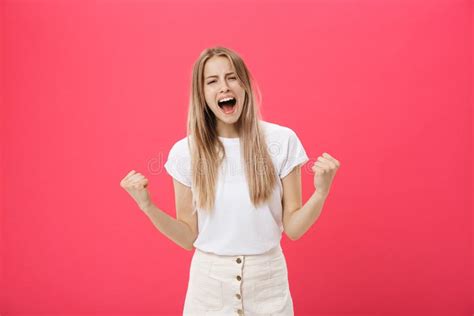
229,73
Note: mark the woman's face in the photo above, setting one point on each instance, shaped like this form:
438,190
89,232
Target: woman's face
221,83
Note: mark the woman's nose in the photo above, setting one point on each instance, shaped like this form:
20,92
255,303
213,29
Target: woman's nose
224,87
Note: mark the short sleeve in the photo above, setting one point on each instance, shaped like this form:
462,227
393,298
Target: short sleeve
295,155
178,164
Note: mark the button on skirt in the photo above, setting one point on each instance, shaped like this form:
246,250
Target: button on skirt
250,285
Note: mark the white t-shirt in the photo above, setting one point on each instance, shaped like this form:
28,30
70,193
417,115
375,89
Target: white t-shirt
235,227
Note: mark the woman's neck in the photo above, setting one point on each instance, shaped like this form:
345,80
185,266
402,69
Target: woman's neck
227,130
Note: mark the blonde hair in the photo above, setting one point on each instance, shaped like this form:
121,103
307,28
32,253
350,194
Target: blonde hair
207,150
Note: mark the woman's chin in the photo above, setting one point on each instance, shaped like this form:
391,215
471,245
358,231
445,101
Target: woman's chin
229,120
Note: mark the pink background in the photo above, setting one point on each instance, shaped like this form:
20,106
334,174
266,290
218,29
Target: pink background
94,89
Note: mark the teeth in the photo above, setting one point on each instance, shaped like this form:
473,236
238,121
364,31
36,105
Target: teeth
225,99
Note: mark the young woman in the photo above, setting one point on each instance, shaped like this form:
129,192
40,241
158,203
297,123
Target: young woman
237,182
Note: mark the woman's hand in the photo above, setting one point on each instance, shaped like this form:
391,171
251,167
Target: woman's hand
136,185
325,169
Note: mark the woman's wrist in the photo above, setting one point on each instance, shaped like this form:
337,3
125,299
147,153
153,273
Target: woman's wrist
146,207
320,195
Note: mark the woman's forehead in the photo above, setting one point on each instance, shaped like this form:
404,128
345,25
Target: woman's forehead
217,64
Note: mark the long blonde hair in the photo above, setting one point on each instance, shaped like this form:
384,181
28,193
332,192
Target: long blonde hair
207,150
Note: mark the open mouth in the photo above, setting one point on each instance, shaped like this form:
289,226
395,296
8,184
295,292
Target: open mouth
227,105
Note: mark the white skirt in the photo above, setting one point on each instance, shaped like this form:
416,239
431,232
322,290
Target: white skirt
250,285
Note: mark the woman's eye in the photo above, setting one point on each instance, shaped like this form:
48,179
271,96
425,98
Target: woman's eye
215,81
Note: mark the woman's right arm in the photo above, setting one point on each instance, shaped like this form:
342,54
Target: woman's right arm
182,230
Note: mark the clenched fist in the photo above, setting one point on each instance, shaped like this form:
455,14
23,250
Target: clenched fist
325,169
136,185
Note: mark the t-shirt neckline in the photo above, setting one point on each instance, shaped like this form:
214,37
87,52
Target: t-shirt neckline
228,140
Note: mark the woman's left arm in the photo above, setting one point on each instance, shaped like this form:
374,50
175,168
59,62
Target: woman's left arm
297,219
